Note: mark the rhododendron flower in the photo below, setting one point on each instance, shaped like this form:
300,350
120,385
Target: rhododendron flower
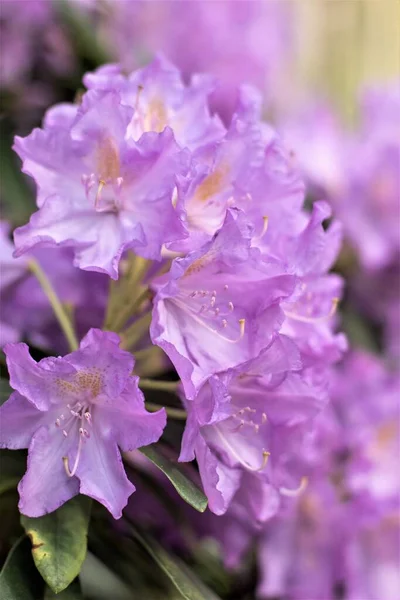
100,190
219,306
74,413
161,99
246,427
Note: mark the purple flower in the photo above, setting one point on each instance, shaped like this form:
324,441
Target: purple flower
161,99
219,306
248,170
100,190
353,490
74,413
358,172
246,428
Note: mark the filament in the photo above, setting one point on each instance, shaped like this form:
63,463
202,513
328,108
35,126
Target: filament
244,463
296,492
77,458
304,319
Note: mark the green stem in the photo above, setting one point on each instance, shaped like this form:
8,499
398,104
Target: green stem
135,331
55,303
174,413
153,384
125,294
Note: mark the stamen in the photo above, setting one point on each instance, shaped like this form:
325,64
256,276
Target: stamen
296,492
77,458
263,230
303,319
245,464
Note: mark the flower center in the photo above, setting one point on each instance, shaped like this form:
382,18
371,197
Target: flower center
108,175
214,311
87,386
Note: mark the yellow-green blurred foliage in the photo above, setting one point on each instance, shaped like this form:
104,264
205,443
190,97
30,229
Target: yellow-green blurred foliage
345,44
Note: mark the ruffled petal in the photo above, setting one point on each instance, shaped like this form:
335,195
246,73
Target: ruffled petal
20,420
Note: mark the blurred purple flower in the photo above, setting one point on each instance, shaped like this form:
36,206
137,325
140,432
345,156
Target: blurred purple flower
73,413
202,36
25,310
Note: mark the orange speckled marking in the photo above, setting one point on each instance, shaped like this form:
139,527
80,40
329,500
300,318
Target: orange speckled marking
108,164
212,184
84,381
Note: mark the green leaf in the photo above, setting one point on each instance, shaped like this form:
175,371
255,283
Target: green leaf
59,541
5,390
19,579
185,581
185,488
72,592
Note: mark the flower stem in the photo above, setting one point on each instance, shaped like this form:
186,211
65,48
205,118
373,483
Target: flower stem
154,384
58,309
174,413
134,332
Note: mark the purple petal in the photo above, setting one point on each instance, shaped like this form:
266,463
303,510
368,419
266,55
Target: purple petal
102,474
46,485
127,422
20,419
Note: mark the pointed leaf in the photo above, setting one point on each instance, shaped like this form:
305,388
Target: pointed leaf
185,488
59,541
187,582
72,592
19,579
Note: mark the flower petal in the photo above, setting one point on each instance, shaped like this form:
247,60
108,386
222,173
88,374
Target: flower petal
20,419
38,382
45,485
219,481
102,474
127,422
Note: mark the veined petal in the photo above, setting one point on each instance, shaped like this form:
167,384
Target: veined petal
219,481
102,474
38,382
46,485
19,419
127,422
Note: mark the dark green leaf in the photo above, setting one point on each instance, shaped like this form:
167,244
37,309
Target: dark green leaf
185,488
72,592
16,197
185,581
59,541
19,579
5,390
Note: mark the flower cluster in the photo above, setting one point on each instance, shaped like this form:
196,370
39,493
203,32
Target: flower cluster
230,279
359,174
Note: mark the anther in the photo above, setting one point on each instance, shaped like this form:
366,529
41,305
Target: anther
224,323
65,433
226,286
230,306
263,418
58,422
